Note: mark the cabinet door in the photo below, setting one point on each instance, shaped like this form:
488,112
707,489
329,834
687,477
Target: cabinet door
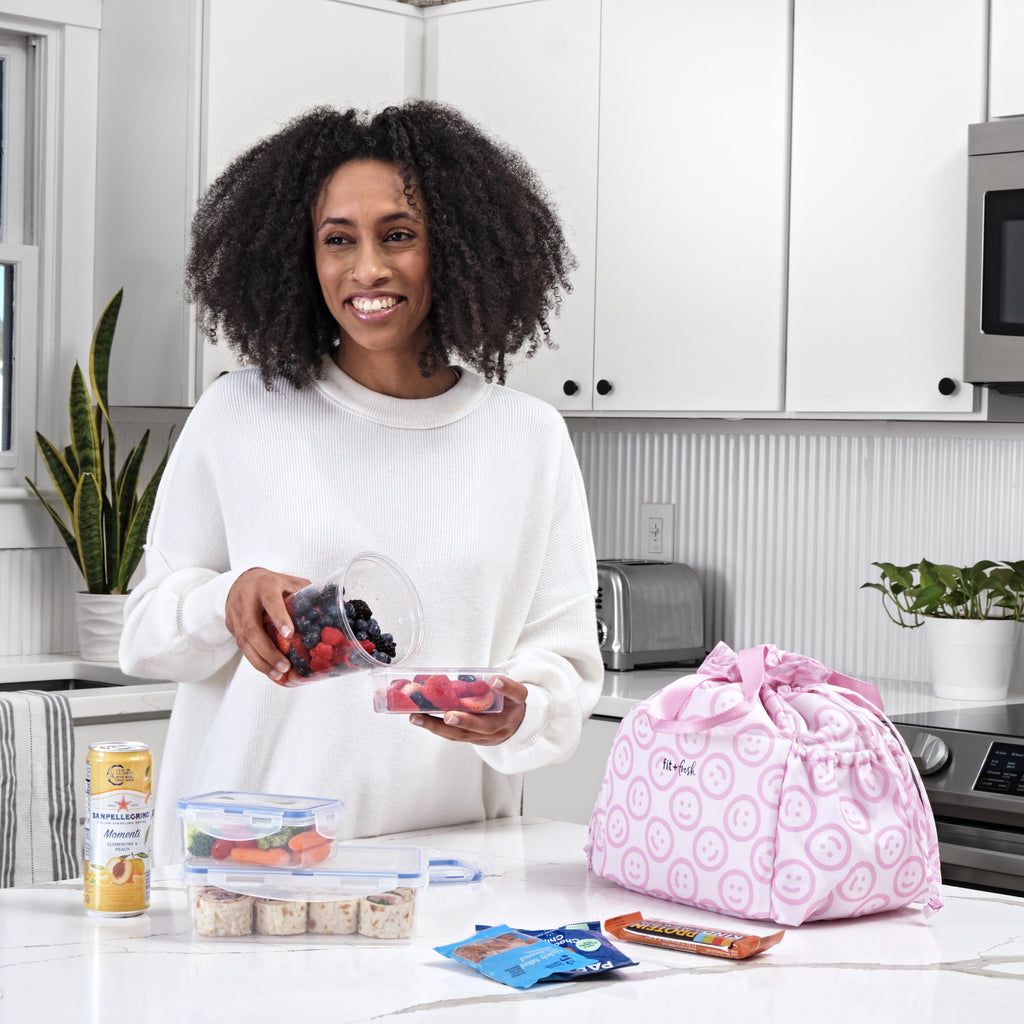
528,73
1006,68
266,62
692,205
568,791
883,92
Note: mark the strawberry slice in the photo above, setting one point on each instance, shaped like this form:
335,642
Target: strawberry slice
441,692
399,701
478,702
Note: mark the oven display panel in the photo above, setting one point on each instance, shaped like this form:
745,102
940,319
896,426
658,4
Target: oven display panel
1003,770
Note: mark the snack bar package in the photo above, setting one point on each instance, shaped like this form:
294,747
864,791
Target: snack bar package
586,938
690,938
513,957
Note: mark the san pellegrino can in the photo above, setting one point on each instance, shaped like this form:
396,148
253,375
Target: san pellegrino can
118,822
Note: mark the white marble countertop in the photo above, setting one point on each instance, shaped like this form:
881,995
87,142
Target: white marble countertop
56,964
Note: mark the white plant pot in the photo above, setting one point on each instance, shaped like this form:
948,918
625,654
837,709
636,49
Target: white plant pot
972,659
100,621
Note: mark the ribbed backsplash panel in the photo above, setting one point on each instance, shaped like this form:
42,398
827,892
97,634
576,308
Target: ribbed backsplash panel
36,606
782,522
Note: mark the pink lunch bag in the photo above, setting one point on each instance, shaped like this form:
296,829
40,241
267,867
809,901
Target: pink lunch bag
766,786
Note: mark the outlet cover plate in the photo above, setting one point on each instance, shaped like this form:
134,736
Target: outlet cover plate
657,532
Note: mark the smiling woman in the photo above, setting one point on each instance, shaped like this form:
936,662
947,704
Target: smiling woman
377,272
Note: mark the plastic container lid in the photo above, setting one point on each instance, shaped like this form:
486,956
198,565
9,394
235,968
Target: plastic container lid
355,871
231,815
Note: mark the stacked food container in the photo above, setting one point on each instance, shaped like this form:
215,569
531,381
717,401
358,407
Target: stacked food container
259,864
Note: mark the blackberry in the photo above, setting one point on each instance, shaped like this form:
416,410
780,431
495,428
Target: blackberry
360,610
299,663
386,643
329,595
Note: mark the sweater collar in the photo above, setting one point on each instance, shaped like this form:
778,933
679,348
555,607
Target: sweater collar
413,413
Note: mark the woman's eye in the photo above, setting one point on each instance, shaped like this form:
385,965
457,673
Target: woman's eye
336,240
399,236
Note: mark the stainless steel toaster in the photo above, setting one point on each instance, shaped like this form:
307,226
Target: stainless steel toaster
648,613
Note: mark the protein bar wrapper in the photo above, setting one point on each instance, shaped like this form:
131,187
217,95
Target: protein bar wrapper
512,957
690,938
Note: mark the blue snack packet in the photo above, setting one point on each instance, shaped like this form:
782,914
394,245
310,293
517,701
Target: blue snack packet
513,957
585,938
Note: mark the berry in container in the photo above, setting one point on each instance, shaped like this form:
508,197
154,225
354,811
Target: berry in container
436,690
363,895
363,618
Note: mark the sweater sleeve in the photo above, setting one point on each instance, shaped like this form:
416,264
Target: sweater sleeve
174,617
557,654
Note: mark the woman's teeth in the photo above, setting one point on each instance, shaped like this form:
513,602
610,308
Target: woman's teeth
373,305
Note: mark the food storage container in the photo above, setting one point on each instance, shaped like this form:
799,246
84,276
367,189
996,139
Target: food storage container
261,829
430,690
364,617
363,894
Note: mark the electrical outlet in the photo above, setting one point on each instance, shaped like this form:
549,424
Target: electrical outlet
657,532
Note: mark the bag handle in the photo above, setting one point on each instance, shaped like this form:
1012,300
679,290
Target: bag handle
665,705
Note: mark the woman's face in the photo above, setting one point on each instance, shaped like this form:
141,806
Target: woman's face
372,258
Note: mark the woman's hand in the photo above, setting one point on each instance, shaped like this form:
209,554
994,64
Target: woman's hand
484,730
254,592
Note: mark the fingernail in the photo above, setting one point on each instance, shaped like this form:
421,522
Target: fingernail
275,675
498,684
416,719
286,630
451,719
282,666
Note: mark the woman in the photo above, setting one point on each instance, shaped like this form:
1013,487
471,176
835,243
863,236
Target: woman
377,273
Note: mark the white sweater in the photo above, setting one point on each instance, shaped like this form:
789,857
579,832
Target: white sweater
476,494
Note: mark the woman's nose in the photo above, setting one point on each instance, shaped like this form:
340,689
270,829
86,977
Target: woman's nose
369,267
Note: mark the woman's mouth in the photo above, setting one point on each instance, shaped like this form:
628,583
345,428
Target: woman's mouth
373,307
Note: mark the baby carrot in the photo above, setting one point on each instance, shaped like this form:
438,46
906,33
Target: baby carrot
276,857
303,840
313,854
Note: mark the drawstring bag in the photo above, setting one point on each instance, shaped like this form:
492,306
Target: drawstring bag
766,786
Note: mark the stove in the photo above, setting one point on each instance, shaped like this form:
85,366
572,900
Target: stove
972,764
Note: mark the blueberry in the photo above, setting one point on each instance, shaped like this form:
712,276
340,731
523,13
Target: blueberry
372,628
467,678
380,656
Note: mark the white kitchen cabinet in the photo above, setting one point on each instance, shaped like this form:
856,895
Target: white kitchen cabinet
1006,68
528,73
692,205
568,791
224,74
883,92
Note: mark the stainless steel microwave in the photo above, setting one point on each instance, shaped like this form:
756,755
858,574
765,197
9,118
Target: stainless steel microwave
994,308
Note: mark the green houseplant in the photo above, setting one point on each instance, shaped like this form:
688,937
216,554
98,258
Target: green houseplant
971,615
107,518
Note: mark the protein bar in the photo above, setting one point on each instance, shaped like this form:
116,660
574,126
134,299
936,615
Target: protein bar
690,938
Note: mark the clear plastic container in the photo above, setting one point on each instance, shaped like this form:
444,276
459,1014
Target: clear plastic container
436,690
367,616
260,829
367,894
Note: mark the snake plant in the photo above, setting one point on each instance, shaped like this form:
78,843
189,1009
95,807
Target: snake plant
107,519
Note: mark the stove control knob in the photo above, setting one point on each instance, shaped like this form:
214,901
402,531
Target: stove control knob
602,633
930,754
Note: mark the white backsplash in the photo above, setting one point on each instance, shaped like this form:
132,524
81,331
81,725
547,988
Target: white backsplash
782,520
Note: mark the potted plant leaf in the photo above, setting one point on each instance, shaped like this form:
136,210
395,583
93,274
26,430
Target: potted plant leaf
972,618
106,517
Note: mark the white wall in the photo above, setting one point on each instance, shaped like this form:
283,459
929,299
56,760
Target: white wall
782,521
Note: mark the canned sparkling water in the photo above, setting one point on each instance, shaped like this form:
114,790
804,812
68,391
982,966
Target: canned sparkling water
118,818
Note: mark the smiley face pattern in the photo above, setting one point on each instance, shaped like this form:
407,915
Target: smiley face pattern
805,806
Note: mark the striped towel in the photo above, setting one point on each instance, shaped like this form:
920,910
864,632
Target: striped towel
38,818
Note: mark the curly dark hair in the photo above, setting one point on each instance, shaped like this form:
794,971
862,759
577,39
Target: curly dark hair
498,256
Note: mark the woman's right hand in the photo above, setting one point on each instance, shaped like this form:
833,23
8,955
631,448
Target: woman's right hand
254,592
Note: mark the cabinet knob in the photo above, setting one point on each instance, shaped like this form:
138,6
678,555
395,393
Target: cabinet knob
570,387
604,387
948,386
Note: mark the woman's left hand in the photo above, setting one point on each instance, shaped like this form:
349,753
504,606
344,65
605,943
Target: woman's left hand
483,730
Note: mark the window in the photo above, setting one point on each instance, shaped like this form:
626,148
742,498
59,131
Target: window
19,263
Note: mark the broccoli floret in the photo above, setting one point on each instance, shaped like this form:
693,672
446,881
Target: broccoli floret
198,842
279,838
